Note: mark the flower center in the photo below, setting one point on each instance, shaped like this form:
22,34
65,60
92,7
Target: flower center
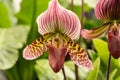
57,41
115,28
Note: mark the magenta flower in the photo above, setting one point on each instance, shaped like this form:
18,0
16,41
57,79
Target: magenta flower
58,27
109,12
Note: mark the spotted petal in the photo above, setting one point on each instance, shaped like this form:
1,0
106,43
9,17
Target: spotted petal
93,33
37,47
78,54
58,19
34,50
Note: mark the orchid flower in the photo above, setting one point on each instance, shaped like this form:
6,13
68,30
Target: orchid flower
58,27
109,12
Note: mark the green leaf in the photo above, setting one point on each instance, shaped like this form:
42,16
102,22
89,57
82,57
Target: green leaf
94,73
26,12
118,78
44,72
103,53
82,71
12,73
11,39
5,21
112,74
92,54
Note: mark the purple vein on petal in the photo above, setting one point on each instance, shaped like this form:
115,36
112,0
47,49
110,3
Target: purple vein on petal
57,18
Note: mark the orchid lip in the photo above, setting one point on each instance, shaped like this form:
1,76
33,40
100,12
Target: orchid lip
56,57
114,40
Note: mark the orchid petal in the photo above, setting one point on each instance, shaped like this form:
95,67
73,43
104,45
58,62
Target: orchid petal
107,10
58,19
81,59
93,33
78,55
56,57
35,49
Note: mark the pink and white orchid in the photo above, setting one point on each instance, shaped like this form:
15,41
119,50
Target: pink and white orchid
58,27
109,12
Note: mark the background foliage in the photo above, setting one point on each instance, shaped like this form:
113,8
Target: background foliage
18,27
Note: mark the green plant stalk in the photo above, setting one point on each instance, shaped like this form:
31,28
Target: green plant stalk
63,71
76,67
22,67
33,30
76,73
12,74
28,66
79,40
72,5
82,15
108,68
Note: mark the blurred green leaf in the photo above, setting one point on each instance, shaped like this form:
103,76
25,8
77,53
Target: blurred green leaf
89,24
92,54
11,39
100,76
26,12
103,53
94,73
112,74
82,71
5,21
118,78
44,71
12,73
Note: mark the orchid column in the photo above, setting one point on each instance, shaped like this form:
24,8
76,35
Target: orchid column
109,12
58,27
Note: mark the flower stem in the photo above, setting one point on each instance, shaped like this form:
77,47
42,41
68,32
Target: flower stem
108,68
76,67
72,5
29,65
82,20
82,15
76,73
33,29
79,40
64,73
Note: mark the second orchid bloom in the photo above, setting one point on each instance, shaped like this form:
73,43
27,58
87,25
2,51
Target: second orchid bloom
58,27
109,12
